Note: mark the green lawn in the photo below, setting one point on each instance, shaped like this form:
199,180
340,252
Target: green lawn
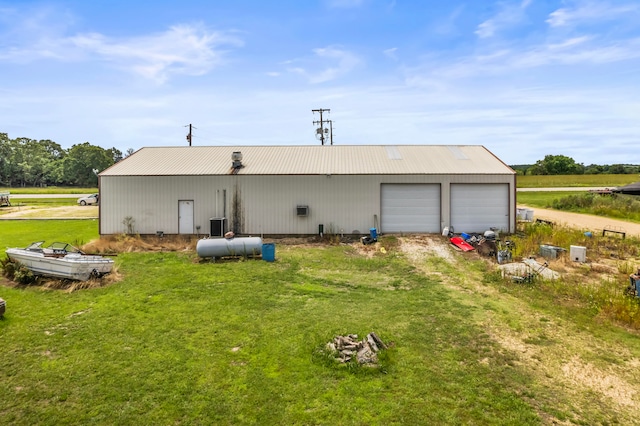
20,233
542,199
561,181
179,341
49,190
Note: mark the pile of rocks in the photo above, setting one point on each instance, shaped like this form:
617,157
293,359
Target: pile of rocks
365,351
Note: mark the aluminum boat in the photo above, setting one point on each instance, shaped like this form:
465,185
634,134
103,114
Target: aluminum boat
60,260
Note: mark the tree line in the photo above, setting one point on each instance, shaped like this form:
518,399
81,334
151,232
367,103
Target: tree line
563,165
29,162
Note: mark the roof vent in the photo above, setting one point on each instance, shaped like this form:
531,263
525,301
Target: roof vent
236,157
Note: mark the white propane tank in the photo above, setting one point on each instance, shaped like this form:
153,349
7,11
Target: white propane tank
221,247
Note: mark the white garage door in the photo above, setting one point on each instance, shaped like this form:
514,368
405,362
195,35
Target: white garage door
410,208
479,207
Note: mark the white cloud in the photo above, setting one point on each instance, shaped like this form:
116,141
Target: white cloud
391,53
183,49
589,11
342,61
42,34
508,16
584,50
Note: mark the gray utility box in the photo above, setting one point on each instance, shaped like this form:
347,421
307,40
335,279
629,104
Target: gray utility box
550,252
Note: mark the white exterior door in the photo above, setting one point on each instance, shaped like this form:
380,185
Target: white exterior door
478,207
185,216
410,208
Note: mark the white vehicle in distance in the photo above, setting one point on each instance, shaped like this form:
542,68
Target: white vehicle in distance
88,200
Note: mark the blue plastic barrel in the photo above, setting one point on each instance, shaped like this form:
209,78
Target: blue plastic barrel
269,252
373,232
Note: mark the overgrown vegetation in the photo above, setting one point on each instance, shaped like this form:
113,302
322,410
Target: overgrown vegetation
597,286
17,272
617,206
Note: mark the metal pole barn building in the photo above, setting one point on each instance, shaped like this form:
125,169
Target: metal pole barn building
304,190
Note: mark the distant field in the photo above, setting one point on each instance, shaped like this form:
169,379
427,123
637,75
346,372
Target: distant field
50,190
611,181
542,199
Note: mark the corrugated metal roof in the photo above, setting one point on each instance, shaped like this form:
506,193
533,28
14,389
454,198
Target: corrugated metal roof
311,160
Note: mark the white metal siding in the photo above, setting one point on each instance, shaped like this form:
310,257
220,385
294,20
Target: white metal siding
478,207
410,208
266,204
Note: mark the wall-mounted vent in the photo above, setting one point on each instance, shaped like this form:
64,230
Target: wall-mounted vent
302,210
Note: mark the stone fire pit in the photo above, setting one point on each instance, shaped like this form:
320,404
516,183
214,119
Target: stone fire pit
347,348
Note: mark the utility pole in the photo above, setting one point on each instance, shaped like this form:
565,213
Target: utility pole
321,131
190,135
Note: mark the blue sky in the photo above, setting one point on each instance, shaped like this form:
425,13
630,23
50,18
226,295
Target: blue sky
524,78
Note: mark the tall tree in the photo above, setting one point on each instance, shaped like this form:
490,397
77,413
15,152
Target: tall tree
557,165
82,163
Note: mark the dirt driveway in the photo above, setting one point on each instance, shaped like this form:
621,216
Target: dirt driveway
587,222
62,212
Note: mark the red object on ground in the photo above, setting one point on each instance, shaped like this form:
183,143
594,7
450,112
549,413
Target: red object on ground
461,244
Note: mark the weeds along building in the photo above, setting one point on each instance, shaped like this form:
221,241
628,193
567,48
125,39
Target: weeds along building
305,190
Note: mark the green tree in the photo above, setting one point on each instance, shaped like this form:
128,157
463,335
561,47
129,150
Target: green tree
82,160
557,165
5,160
617,169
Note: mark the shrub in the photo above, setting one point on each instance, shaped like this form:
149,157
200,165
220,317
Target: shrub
17,272
616,206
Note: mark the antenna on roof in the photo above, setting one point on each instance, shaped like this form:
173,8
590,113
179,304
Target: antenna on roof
323,132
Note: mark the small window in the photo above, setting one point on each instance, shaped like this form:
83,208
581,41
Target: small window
302,210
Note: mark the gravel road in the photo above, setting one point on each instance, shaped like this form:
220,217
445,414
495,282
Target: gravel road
587,222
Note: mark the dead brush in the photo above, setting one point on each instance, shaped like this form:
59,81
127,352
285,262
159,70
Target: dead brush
135,243
69,286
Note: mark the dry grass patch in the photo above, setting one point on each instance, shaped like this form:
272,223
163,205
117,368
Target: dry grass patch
135,243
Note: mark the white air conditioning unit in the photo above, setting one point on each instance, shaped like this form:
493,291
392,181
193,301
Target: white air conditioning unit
578,253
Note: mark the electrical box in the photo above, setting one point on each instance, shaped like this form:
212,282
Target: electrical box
550,252
578,253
